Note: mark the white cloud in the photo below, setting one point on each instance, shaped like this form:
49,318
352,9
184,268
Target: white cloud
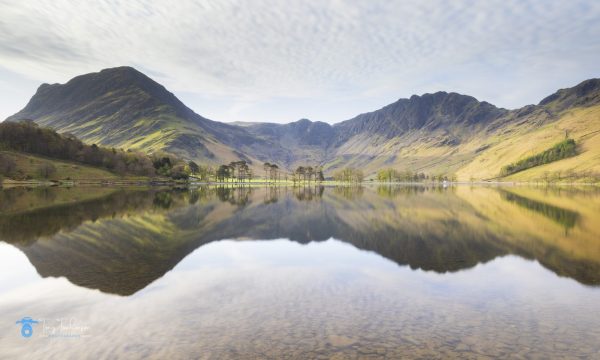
233,59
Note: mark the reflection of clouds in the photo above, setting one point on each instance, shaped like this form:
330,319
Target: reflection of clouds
14,261
334,50
232,293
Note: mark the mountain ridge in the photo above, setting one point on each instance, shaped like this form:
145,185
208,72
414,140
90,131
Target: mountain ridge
433,132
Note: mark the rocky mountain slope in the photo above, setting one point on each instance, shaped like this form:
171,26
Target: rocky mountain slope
440,133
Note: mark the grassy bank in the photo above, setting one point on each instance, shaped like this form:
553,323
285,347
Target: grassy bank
33,170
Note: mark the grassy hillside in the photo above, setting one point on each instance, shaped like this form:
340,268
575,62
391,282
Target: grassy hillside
26,137
27,168
520,141
482,153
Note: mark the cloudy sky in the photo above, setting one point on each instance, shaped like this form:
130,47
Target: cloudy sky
284,60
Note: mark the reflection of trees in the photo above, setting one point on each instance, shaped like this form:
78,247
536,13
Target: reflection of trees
238,195
26,227
309,193
393,191
18,226
564,217
272,194
36,195
194,197
163,200
349,192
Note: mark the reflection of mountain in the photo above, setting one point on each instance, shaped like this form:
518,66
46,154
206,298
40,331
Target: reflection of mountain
123,240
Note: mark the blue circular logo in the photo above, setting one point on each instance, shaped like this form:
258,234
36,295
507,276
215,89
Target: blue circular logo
26,328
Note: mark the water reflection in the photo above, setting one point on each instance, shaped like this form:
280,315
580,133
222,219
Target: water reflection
119,241
313,272
564,217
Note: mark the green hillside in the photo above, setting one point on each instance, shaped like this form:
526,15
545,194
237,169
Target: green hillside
31,152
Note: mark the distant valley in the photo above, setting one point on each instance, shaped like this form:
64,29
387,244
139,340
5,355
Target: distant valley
440,133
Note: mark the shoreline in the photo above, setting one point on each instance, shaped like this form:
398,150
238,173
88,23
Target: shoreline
8,183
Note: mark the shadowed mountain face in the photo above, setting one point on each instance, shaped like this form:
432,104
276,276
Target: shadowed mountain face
435,133
428,112
122,240
584,94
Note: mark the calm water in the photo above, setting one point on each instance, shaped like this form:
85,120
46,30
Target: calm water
388,272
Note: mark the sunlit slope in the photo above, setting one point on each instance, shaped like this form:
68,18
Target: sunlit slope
445,134
519,141
482,152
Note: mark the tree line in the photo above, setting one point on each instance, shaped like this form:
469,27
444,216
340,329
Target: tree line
26,136
302,173
239,171
561,150
393,175
236,170
349,175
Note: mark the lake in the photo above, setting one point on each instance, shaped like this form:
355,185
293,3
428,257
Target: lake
301,273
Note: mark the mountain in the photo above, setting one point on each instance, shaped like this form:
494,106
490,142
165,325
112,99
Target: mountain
445,133
439,133
121,107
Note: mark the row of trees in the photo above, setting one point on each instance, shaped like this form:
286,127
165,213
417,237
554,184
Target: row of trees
272,172
563,149
393,175
349,175
302,173
26,136
237,170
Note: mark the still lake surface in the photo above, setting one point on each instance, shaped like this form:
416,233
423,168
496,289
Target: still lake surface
334,272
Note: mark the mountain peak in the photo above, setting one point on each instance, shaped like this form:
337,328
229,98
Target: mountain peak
586,93
122,69
97,94
430,110
302,121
